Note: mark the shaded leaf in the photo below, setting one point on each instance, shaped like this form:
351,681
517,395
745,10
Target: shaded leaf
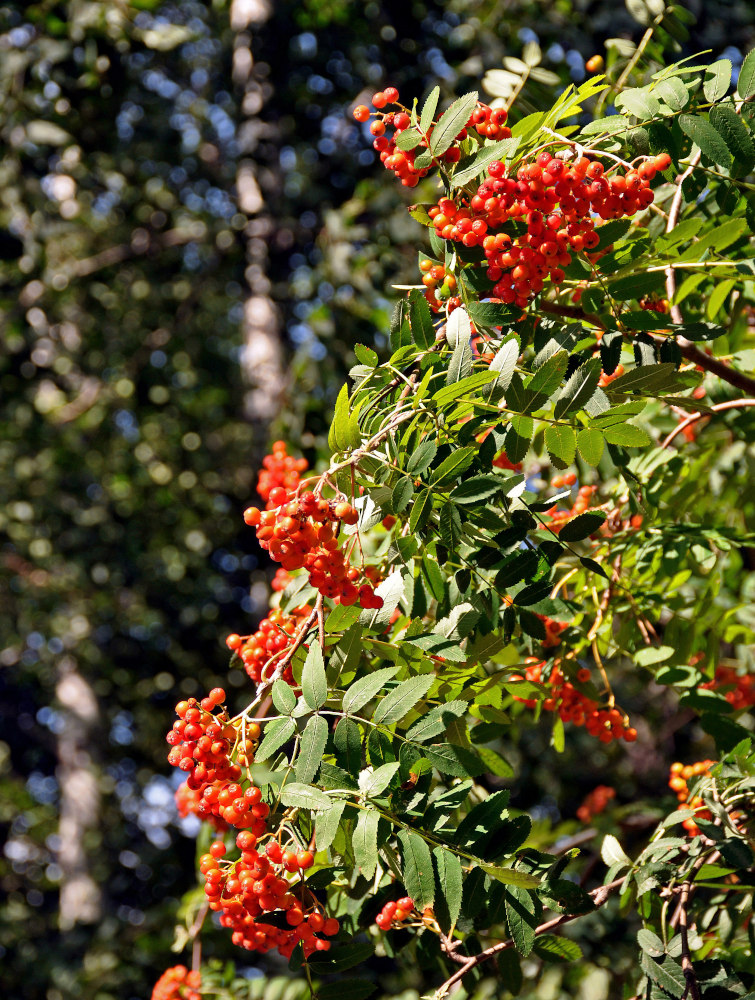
418,873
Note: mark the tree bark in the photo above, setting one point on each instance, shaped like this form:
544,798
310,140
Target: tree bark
262,357
80,896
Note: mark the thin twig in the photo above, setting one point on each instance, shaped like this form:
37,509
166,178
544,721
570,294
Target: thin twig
599,897
673,218
730,404
196,927
691,989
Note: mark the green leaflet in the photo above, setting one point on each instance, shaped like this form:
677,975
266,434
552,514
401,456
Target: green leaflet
284,698
552,948
418,873
521,918
347,739
420,320
453,466
364,842
561,442
450,758
547,378
730,127
372,783
421,459
590,443
449,881
338,438
429,108
638,102
704,135
579,389
511,876
717,80
746,82
314,683
627,435
304,796
451,122
313,741
276,734
583,525
366,688
403,492
402,699
421,510
436,721
326,824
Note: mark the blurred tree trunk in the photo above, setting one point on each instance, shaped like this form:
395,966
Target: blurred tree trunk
80,896
262,358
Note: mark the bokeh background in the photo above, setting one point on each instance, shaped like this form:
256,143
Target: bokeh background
193,235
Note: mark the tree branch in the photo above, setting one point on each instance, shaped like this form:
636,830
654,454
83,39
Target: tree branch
691,989
730,404
688,349
599,896
725,372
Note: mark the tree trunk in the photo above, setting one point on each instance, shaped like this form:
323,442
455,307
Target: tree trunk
262,357
80,896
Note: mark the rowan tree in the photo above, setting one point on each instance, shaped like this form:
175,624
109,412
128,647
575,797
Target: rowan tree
534,515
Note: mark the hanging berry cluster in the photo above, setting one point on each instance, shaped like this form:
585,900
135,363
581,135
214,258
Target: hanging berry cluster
257,883
301,531
202,744
572,705
399,161
553,630
440,285
595,802
557,517
393,914
678,782
264,649
178,984
738,689
557,200
279,469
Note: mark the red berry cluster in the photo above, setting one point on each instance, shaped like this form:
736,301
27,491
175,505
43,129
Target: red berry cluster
394,913
741,688
177,983
275,635
605,380
678,782
558,201
500,461
400,161
595,802
279,469
440,285
653,304
189,802
490,123
301,531
244,890
574,706
559,517
553,630
281,580
202,744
